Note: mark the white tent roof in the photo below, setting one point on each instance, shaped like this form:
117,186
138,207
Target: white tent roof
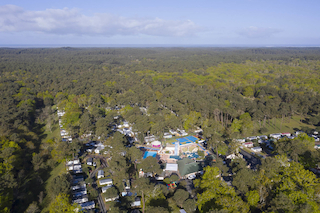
156,143
171,167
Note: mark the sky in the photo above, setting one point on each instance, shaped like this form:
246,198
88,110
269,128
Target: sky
174,22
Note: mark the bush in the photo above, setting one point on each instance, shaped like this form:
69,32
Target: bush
85,169
156,209
93,194
111,193
60,184
189,205
200,153
166,180
88,181
182,184
174,178
164,189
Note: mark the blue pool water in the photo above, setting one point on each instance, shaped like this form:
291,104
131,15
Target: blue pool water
149,153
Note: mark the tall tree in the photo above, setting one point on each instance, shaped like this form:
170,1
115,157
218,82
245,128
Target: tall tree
217,194
180,196
62,204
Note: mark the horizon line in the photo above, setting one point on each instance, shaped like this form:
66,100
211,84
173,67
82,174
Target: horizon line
153,45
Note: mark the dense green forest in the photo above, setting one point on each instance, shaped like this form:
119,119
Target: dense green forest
228,92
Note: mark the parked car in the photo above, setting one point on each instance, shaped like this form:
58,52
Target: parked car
191,177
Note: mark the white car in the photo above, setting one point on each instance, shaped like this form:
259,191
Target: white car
191,177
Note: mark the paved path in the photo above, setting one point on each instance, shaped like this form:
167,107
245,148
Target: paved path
94,184
100,199
103,165
189,186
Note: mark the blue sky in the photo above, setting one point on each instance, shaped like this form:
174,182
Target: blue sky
211,22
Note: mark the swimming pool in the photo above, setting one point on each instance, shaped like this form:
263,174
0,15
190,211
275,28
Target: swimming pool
193,155
149,153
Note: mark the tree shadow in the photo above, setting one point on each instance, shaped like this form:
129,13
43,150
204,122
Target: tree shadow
305,129
126,201
54,129
159,202
32,186
305,121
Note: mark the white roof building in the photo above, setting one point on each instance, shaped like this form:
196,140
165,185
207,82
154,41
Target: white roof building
106,182
104,189
74,167
198,130
149,138
241,140
111,199
252,138
88,205
79,186
248,144
263,137
61,113
173,131
69,163
276,135
256,149
99,148
81,200
233,156
126,124
288,134
100,174
183,132
171,167
90,161
167,135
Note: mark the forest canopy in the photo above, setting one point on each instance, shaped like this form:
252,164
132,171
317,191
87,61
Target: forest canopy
228,92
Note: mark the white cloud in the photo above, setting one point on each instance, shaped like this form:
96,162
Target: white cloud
258,32
71,22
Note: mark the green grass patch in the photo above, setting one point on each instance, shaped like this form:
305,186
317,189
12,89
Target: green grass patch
60,169
278,125
288,125
171,140
51,135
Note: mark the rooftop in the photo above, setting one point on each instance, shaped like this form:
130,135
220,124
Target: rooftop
188,166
